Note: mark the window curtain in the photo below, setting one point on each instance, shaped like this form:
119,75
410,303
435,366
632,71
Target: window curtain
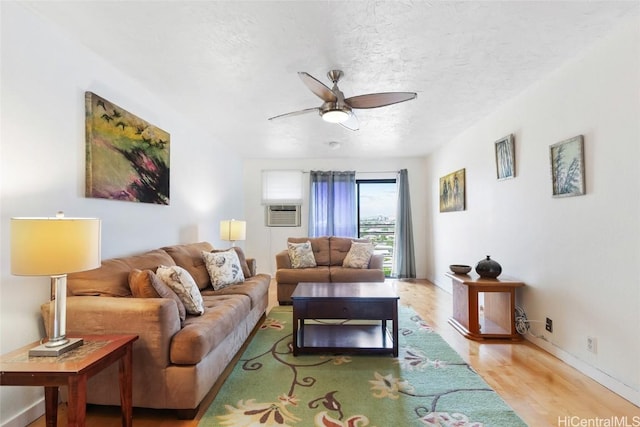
404,262
332,204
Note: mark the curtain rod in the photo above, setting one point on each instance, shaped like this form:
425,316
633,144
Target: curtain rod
364,172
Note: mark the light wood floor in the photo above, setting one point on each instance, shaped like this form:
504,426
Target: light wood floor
543,390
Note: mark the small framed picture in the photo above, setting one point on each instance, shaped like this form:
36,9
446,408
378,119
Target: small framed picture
452,191
505,158
567,167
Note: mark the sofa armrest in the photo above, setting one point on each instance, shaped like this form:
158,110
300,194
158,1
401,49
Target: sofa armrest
283,260
154,320
376,262
251,263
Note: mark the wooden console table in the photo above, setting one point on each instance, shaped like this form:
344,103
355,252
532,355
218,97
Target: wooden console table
484,308
73,369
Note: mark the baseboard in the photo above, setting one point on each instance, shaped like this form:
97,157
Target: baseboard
27,416
621,389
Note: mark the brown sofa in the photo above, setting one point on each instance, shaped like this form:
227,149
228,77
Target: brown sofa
329,253
175,363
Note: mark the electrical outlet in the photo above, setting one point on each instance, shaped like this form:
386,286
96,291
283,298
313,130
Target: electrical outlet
549,325
592,344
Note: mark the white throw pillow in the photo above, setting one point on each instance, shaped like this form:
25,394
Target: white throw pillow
181,282
359,255
223,267
301,255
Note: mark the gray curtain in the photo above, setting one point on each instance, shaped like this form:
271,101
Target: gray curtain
404,259
332,204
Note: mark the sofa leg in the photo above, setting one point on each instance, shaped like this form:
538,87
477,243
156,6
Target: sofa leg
187,414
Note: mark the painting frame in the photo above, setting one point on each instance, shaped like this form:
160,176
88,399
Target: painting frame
127,158
452,191
505,154
567,167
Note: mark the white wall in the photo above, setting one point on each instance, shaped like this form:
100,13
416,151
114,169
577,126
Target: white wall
579,256
44,77
264,242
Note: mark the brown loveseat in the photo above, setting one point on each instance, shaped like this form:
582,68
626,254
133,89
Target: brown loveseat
175,363
329,253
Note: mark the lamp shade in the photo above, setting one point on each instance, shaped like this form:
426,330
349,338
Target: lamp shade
53,246
233,230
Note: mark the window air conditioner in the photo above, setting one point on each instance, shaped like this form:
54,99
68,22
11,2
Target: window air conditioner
282,215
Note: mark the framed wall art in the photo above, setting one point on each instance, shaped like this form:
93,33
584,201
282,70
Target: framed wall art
505,158
452,191
127,157
567,167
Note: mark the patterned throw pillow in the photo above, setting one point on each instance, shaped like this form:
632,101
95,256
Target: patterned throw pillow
181,282
301,255
223,267
145,284
359,255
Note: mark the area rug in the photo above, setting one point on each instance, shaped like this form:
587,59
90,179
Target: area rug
428,384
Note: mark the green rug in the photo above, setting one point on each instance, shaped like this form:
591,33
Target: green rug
428,384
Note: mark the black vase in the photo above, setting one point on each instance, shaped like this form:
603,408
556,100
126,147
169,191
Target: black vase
488,268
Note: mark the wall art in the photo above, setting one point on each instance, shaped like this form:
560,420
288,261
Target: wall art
452,191
567,167
127,158
505,158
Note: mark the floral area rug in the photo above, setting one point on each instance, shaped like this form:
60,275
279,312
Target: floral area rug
427,384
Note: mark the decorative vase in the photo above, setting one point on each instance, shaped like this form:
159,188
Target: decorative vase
488,268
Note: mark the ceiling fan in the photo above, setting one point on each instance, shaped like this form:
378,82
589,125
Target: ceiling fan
337,109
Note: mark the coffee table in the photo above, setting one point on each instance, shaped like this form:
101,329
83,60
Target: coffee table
314,303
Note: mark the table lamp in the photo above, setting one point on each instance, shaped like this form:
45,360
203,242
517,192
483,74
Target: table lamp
54,247
232,230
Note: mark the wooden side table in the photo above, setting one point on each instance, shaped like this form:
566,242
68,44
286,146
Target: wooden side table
484,308
73,369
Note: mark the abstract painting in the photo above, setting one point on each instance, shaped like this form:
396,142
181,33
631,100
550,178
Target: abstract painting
505,158
452,192
567,167
127,158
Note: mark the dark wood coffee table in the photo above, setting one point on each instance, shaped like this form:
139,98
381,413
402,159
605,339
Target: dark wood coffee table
347,301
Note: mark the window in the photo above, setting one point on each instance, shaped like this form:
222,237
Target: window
377,203
281,187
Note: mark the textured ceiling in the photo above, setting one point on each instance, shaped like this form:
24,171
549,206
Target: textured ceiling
230,65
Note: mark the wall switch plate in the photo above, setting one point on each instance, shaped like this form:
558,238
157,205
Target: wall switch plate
549,325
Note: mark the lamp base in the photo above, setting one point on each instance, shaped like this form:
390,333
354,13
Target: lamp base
44,350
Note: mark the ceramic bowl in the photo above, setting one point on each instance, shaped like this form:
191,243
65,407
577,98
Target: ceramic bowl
460,269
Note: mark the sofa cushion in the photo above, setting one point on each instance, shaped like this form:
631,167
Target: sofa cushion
301,255
254,287
145,284
224,268
112,278
181,282
359,255
189,257
350,275
200,334
319,245
297,275
339,248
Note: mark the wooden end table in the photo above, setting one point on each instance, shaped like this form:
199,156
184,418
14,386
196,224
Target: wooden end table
348,301
484,308
73,369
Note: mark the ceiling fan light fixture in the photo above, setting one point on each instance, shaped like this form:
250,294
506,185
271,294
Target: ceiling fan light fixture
335,116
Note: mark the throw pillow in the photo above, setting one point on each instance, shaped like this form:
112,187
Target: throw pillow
301,255
359,255
243,260
145,284
181,282
224,268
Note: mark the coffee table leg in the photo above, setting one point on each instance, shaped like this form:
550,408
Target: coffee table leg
295,333
77,405
395,329
51,406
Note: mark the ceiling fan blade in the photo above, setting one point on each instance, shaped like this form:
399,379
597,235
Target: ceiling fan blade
295,113
374,100
317,87
351,123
